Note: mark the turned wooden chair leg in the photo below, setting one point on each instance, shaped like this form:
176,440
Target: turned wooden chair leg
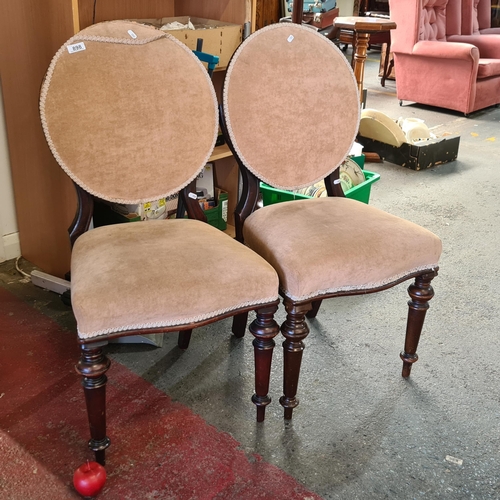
240,325
388,64
295,330
315,308
420,292
183,339
93,366
264,329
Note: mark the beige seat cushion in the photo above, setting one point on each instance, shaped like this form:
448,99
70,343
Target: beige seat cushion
328,245
162,273
488,68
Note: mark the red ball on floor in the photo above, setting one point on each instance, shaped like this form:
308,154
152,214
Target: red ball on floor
89,479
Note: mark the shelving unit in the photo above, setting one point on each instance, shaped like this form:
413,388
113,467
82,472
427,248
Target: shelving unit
220,152
33,30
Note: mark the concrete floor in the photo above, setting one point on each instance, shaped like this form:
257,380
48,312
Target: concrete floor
361,431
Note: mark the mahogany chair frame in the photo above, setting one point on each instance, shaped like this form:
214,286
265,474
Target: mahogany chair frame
295,328
94,363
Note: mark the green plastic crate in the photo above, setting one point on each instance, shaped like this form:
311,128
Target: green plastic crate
361,192
217,216
360,160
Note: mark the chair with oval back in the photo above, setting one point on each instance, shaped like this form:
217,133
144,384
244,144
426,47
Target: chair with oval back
321,247
131,115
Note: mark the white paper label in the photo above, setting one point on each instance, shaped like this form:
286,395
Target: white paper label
132,34
290,38
76,47
224,210
336,181
193,196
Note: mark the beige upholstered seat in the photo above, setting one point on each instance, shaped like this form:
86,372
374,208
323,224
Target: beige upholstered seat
119,275
131,115
363,249
291,114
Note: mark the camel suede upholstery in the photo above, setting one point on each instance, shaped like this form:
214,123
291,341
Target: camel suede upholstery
323,246
269,106
118,103
320,247
119,272
128,126
328,245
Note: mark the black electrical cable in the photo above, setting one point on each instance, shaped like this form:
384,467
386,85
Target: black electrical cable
93,13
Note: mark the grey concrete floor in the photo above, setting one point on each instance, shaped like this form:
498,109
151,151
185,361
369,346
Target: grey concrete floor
361,431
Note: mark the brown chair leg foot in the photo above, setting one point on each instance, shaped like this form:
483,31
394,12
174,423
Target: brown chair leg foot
314,310
288,409
420,292
184,339
295,330
93,366
264,329
239,325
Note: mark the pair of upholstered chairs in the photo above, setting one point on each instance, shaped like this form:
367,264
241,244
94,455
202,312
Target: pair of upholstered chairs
440,57
131,115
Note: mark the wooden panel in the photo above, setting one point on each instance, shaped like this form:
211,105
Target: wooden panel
231,11
267,12
226,168
220,152
106,10
226,178
44,195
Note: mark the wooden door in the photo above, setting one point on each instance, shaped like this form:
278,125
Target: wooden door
30,34
267,12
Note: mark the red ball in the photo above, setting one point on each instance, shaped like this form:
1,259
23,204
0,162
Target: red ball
89,479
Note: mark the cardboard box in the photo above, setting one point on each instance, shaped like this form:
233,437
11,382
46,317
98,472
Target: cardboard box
417,157
219,38
114,213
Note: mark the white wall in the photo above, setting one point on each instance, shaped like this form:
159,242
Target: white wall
345,7
9,237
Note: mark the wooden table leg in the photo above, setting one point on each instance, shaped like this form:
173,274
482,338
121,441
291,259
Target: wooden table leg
361,47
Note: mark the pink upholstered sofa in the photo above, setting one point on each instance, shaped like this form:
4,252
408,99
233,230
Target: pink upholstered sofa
476,18
435,64
467,20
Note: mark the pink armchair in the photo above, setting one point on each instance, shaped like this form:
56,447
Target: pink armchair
465,20
436,65
476,18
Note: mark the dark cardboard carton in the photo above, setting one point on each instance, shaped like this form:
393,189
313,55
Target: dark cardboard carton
417,157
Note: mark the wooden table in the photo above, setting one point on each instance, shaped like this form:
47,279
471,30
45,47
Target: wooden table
357,30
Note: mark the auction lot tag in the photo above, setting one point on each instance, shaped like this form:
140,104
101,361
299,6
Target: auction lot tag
76,47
